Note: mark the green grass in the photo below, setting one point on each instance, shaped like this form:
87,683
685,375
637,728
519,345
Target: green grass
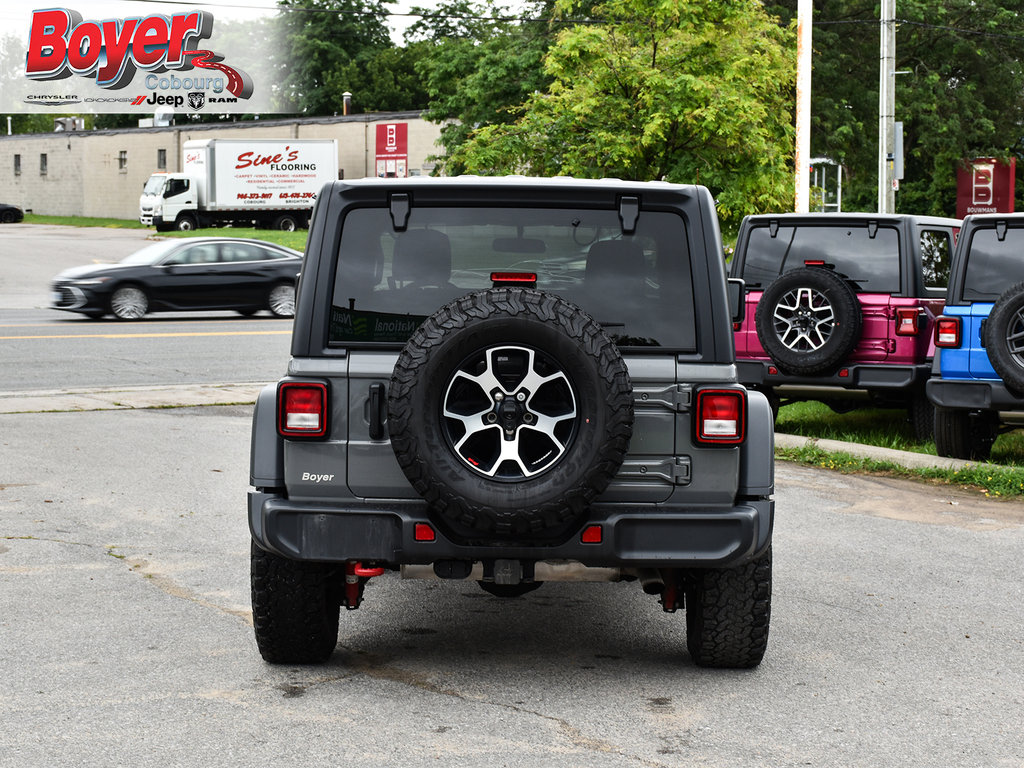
887,428
296,240
993,482
82,221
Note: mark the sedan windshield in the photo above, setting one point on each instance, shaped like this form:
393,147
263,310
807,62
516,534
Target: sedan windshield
152,254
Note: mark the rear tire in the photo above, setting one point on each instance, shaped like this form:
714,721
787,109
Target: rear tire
959,435
286,222
922,417
728,611
294,609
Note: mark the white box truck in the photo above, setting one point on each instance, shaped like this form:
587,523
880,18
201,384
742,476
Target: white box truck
246,182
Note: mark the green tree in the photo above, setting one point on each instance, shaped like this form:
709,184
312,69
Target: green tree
960,93
684,91
383,79
481,64
323,38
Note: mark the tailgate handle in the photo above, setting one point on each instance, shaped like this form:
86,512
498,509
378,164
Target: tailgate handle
377,411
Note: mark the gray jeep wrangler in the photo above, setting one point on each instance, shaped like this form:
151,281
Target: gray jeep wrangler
513,381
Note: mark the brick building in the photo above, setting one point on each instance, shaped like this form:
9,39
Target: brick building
101,173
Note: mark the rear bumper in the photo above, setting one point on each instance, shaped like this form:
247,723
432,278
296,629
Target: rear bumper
866,376
631,535
973,395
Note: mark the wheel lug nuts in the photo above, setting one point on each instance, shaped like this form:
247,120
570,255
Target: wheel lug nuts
521,396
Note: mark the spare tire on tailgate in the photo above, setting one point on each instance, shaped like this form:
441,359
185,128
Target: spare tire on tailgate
1004,337
509,411
808,321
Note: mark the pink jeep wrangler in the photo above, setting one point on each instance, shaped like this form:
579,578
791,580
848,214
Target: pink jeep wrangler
840,308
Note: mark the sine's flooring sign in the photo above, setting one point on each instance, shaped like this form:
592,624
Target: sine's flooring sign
122,57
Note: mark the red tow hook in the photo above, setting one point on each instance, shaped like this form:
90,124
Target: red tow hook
354,572
670,598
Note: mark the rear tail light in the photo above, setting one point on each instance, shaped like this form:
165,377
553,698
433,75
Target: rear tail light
721,416
302,409
907,321
947,332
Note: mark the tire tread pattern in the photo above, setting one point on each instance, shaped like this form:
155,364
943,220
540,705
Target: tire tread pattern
728,612
294,614
513,303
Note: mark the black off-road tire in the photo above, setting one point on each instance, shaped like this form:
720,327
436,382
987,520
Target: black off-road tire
780,313
531,507
295,608
959,435
1004,337
921,414
727,614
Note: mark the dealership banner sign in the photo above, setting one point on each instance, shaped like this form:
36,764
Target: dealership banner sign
188,61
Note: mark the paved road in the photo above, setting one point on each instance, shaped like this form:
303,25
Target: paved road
125,634
47,349
896,636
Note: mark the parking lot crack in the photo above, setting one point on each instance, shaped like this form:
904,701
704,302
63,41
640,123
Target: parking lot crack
378,668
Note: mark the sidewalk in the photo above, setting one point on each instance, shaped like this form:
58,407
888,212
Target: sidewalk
125,398
185,395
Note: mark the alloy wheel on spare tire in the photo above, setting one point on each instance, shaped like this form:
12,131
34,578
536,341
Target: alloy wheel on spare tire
1004,337
808,320
509,411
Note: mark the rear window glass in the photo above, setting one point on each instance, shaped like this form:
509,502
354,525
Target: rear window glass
638,286
993,265
873,263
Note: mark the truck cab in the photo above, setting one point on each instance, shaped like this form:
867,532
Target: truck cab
169,201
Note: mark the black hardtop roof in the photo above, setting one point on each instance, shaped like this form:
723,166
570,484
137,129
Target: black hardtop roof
521,190
849,218
990,219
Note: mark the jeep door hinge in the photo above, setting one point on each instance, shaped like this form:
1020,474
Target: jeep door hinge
675,470
676,397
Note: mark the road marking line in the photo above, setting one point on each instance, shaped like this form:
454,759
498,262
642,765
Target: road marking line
146,335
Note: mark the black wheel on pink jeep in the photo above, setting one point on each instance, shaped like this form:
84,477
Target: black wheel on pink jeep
509,411
808,321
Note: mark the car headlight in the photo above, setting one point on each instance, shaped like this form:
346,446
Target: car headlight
91,281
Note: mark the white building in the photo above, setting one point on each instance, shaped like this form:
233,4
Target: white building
101,173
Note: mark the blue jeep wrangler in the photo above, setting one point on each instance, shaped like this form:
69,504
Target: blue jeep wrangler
980,337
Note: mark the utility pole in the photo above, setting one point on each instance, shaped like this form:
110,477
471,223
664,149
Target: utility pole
887,108
804,14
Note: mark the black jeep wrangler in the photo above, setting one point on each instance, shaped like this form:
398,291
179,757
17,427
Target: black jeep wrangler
513,381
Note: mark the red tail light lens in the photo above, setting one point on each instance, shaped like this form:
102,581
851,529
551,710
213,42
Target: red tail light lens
528,279
721,416
947,332
302,409
907,319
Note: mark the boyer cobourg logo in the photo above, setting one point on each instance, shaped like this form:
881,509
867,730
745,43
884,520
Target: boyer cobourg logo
161,54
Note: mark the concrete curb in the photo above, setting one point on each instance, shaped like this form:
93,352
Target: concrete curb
127,398
906,459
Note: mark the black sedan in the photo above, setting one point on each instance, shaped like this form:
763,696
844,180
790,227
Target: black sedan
10,214
184,275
